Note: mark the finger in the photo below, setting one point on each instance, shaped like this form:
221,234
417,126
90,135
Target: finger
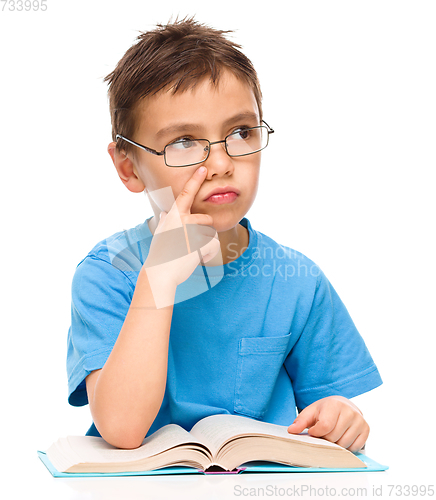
326,422
197,236
186,196
360,441
345,420
209,251
173,243
200,219
349,436
305,419
355,437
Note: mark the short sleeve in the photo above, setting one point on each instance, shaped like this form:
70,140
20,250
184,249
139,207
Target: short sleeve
330,357
101,296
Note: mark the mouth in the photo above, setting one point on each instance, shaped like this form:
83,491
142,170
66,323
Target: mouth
222,198
225,194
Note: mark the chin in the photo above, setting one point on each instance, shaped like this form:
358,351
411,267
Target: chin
222,224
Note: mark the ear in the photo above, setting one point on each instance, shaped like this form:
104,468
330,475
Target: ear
126,169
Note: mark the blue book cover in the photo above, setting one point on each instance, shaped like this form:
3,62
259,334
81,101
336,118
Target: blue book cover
249,467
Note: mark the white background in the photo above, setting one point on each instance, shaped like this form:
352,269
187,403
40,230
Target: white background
348,179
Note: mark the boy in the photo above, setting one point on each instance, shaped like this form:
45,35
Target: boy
193,312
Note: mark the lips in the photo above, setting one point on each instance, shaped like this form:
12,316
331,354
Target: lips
222,190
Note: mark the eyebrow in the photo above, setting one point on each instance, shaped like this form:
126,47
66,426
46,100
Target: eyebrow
177,127
182,127
241,117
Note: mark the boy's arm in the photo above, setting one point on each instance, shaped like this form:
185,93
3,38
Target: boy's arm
126,394
328,364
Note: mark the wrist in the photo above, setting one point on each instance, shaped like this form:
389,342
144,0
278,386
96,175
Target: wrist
159,285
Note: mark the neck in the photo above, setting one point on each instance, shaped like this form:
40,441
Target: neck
233,243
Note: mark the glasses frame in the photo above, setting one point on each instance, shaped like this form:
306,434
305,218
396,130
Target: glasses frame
162,153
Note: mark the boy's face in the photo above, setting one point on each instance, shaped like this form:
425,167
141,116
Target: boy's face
204,112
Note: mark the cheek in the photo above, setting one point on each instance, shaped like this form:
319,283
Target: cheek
253,174
163,192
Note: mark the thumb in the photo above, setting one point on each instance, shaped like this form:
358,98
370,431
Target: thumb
305,419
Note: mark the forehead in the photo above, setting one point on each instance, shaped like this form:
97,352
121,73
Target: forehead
201,105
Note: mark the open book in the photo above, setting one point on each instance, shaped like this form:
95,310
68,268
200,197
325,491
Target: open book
218,442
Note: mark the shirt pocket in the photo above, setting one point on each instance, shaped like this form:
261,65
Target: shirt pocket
259,362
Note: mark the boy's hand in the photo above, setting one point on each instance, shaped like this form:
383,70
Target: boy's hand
336,419
181,238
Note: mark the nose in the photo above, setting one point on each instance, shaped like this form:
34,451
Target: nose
218,161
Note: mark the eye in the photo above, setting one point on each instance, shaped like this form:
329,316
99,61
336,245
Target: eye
241,133
183,143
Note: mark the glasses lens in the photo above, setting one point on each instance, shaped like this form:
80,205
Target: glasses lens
186,152
247,140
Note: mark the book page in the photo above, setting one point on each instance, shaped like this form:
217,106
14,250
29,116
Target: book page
97,450
215,430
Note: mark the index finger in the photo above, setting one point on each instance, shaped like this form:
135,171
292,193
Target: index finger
306,419
186,197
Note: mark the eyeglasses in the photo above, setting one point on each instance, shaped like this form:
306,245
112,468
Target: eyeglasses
186,151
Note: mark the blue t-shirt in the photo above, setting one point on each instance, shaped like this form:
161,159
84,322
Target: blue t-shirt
258,336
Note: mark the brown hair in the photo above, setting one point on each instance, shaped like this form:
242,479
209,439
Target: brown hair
175,56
